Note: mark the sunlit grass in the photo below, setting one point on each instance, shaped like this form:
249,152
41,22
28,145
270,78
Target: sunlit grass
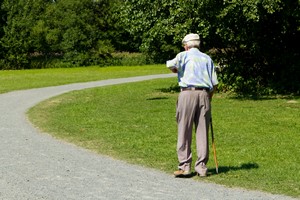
24,79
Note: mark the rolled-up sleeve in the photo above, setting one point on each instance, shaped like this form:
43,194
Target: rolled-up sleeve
171,64
214,78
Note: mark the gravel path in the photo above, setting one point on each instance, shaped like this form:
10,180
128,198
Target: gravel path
37,166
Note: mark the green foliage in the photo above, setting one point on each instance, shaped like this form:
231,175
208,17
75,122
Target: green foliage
260,45
160,25
74,25
126,59
2,24
17,41
253,41
75,30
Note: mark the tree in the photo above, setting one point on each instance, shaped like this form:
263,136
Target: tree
2,24
260,54
76,30
251,40
17,40
161,25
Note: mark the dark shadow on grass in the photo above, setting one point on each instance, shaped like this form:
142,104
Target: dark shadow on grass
172,89
264,97
157,98
225,169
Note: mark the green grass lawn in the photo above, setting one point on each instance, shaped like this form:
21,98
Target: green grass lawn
24,79
258,141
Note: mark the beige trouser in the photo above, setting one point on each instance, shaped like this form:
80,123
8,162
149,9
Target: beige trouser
193,107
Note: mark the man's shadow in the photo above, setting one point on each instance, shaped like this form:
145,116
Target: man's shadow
225,169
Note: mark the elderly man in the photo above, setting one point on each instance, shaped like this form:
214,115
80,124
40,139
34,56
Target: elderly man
198,80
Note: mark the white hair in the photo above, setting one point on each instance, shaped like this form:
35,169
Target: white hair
193,44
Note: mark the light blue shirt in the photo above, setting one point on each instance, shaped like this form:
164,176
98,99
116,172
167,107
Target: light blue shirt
195,69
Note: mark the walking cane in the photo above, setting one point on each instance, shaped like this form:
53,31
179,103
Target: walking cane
213,145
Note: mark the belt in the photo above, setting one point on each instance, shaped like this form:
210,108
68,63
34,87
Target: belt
194,88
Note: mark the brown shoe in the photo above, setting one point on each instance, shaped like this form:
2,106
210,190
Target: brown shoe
202,175
182,173
201,170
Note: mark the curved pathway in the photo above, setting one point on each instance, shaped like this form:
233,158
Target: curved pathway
37,166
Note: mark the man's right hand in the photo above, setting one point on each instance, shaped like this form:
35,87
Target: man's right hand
174,70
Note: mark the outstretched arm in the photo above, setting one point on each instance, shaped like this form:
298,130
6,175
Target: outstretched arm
172,65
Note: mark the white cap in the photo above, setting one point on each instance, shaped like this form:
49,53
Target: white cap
191,37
